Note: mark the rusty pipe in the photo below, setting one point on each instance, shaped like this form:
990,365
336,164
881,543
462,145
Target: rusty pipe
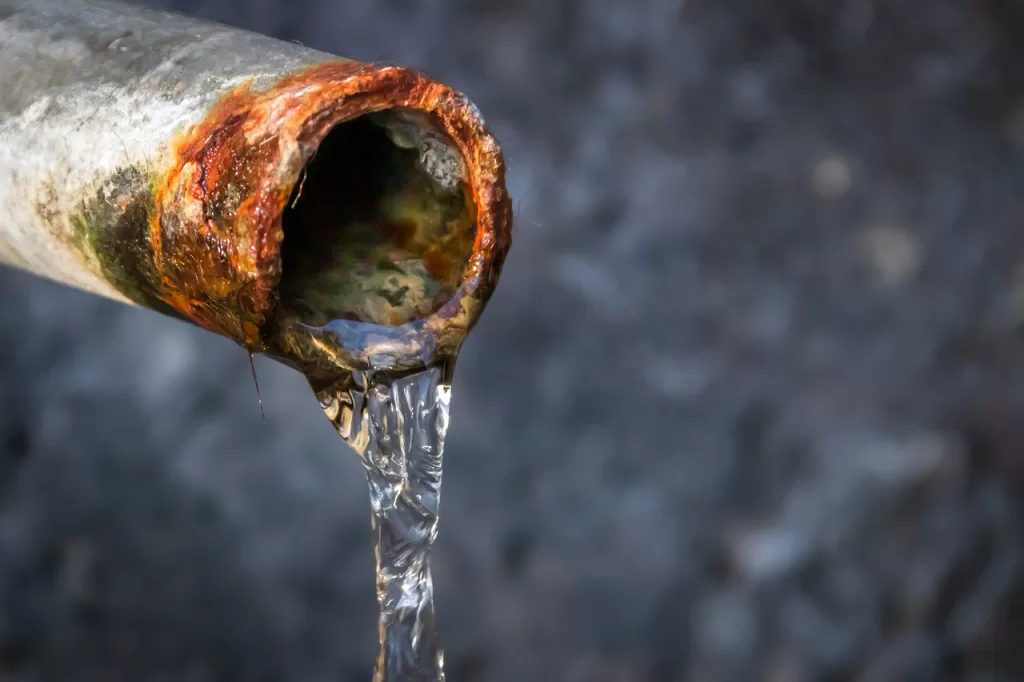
329,213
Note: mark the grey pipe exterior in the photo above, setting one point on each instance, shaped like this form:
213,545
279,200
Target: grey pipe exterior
149,158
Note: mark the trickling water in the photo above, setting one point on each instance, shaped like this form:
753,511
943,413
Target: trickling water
378,238
397,425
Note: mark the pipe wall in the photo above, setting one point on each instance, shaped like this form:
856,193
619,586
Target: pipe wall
148,157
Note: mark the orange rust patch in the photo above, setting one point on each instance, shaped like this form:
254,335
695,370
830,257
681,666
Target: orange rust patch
217,219
437,263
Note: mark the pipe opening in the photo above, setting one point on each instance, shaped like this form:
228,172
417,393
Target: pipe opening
380,226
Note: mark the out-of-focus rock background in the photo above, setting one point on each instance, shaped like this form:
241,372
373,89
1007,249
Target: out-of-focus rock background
747,404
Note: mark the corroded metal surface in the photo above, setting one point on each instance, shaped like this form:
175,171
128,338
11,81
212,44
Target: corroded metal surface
150,158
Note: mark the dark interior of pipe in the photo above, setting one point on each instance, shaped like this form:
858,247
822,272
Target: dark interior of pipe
374,231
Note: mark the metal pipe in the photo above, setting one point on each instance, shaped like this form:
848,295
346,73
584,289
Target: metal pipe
327,212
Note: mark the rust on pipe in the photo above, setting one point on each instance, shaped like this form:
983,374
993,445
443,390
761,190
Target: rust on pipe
330,213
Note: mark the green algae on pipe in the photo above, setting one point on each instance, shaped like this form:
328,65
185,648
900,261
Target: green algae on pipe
330,213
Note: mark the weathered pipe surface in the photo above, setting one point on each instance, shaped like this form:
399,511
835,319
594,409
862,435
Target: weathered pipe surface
153,159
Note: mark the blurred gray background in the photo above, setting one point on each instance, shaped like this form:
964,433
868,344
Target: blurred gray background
746,405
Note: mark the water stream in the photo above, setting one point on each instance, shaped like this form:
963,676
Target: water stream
397,426
378,236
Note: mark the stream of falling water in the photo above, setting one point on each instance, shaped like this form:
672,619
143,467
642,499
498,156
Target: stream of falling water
397,425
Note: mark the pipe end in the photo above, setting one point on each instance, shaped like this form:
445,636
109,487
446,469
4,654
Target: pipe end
347,216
